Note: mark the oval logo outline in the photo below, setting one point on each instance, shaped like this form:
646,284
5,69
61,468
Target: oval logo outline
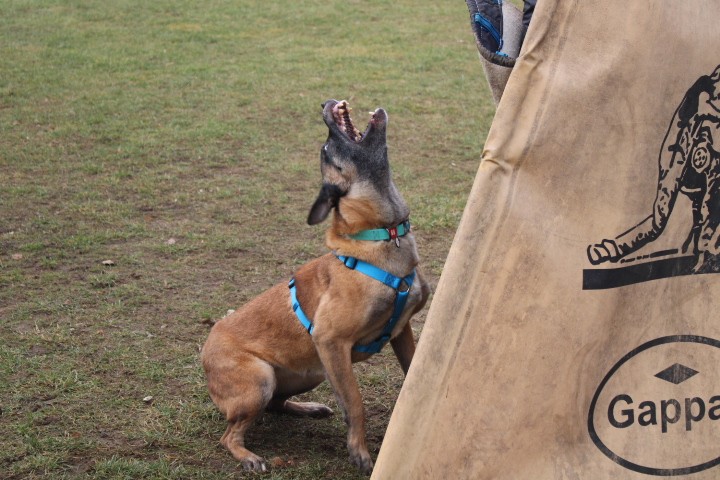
666,472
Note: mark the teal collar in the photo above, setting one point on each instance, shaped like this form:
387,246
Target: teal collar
381,234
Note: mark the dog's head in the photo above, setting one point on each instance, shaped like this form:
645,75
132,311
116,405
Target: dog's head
355,167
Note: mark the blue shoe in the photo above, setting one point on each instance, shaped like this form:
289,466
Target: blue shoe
499,32
487,23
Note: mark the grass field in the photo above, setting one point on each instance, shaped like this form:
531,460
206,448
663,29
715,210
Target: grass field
179,141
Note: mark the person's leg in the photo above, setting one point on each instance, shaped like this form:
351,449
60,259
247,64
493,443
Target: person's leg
528,10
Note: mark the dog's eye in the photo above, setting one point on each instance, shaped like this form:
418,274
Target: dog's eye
326,158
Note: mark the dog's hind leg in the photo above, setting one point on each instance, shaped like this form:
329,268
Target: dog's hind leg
242,388
234,440
291,383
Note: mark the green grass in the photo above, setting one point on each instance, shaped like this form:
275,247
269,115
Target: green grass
181,141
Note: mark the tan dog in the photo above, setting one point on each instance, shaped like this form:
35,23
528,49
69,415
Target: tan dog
262,354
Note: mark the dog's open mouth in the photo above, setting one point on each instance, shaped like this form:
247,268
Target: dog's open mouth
341,115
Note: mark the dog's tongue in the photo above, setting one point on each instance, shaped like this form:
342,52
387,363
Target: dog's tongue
341,114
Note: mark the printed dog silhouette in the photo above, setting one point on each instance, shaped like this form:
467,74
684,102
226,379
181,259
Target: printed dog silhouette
689,163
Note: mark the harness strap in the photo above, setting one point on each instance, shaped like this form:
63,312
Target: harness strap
307,323
377,345
378,274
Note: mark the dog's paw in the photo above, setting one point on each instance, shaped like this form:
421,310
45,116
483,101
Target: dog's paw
306,409
253,463
317,410
602,252
363,461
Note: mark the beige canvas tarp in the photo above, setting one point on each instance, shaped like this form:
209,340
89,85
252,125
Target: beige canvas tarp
575,332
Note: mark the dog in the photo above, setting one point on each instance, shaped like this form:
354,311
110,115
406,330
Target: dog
338,309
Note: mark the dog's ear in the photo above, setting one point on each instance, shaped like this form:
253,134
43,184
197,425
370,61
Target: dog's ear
326,200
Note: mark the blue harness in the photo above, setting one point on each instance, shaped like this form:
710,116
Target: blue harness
378,274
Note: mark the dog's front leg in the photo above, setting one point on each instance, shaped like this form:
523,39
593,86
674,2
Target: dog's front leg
336,358
404,347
